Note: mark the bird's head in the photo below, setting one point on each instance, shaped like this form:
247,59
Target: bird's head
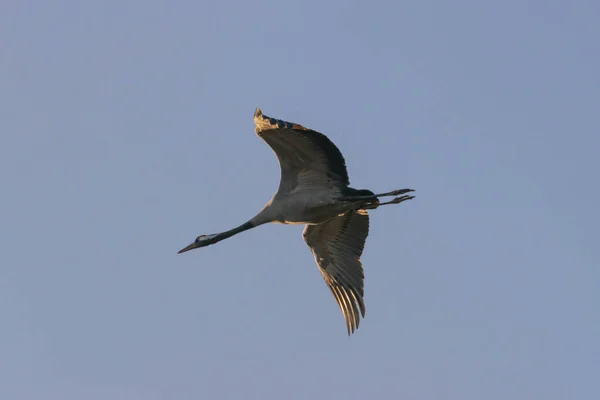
201,241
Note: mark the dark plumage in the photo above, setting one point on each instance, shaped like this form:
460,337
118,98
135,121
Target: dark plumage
314,190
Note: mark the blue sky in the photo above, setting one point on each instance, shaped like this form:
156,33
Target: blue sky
127,131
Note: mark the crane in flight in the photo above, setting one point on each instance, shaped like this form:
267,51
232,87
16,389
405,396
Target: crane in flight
314,190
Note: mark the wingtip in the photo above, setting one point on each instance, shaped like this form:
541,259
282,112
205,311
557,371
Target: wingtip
264,122
261,121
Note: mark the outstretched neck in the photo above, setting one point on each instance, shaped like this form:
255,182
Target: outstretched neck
259,219
238,229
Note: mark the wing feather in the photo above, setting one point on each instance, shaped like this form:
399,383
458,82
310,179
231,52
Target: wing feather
337,246
307,158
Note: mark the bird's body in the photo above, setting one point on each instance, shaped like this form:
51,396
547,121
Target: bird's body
314,191
305,208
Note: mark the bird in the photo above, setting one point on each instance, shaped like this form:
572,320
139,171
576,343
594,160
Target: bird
314,190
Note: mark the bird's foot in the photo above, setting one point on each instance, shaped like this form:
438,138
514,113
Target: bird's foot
398,200
394,192
401,191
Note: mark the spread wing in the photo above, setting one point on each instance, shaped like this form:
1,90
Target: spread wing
337,246
308,159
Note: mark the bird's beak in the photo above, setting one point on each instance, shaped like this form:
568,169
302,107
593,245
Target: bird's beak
187,248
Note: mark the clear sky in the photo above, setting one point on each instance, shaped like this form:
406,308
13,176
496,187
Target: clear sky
126,131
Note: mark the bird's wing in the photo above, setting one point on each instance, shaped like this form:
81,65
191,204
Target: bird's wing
308,159
337,246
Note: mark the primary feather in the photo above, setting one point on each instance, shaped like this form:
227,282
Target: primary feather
337,246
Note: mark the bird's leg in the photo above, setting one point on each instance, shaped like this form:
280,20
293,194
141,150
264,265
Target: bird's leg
398,200
368,197
395,192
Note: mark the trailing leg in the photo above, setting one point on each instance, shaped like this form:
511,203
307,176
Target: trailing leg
397,200
367,197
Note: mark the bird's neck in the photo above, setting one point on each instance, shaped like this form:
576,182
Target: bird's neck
262,217
238,229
